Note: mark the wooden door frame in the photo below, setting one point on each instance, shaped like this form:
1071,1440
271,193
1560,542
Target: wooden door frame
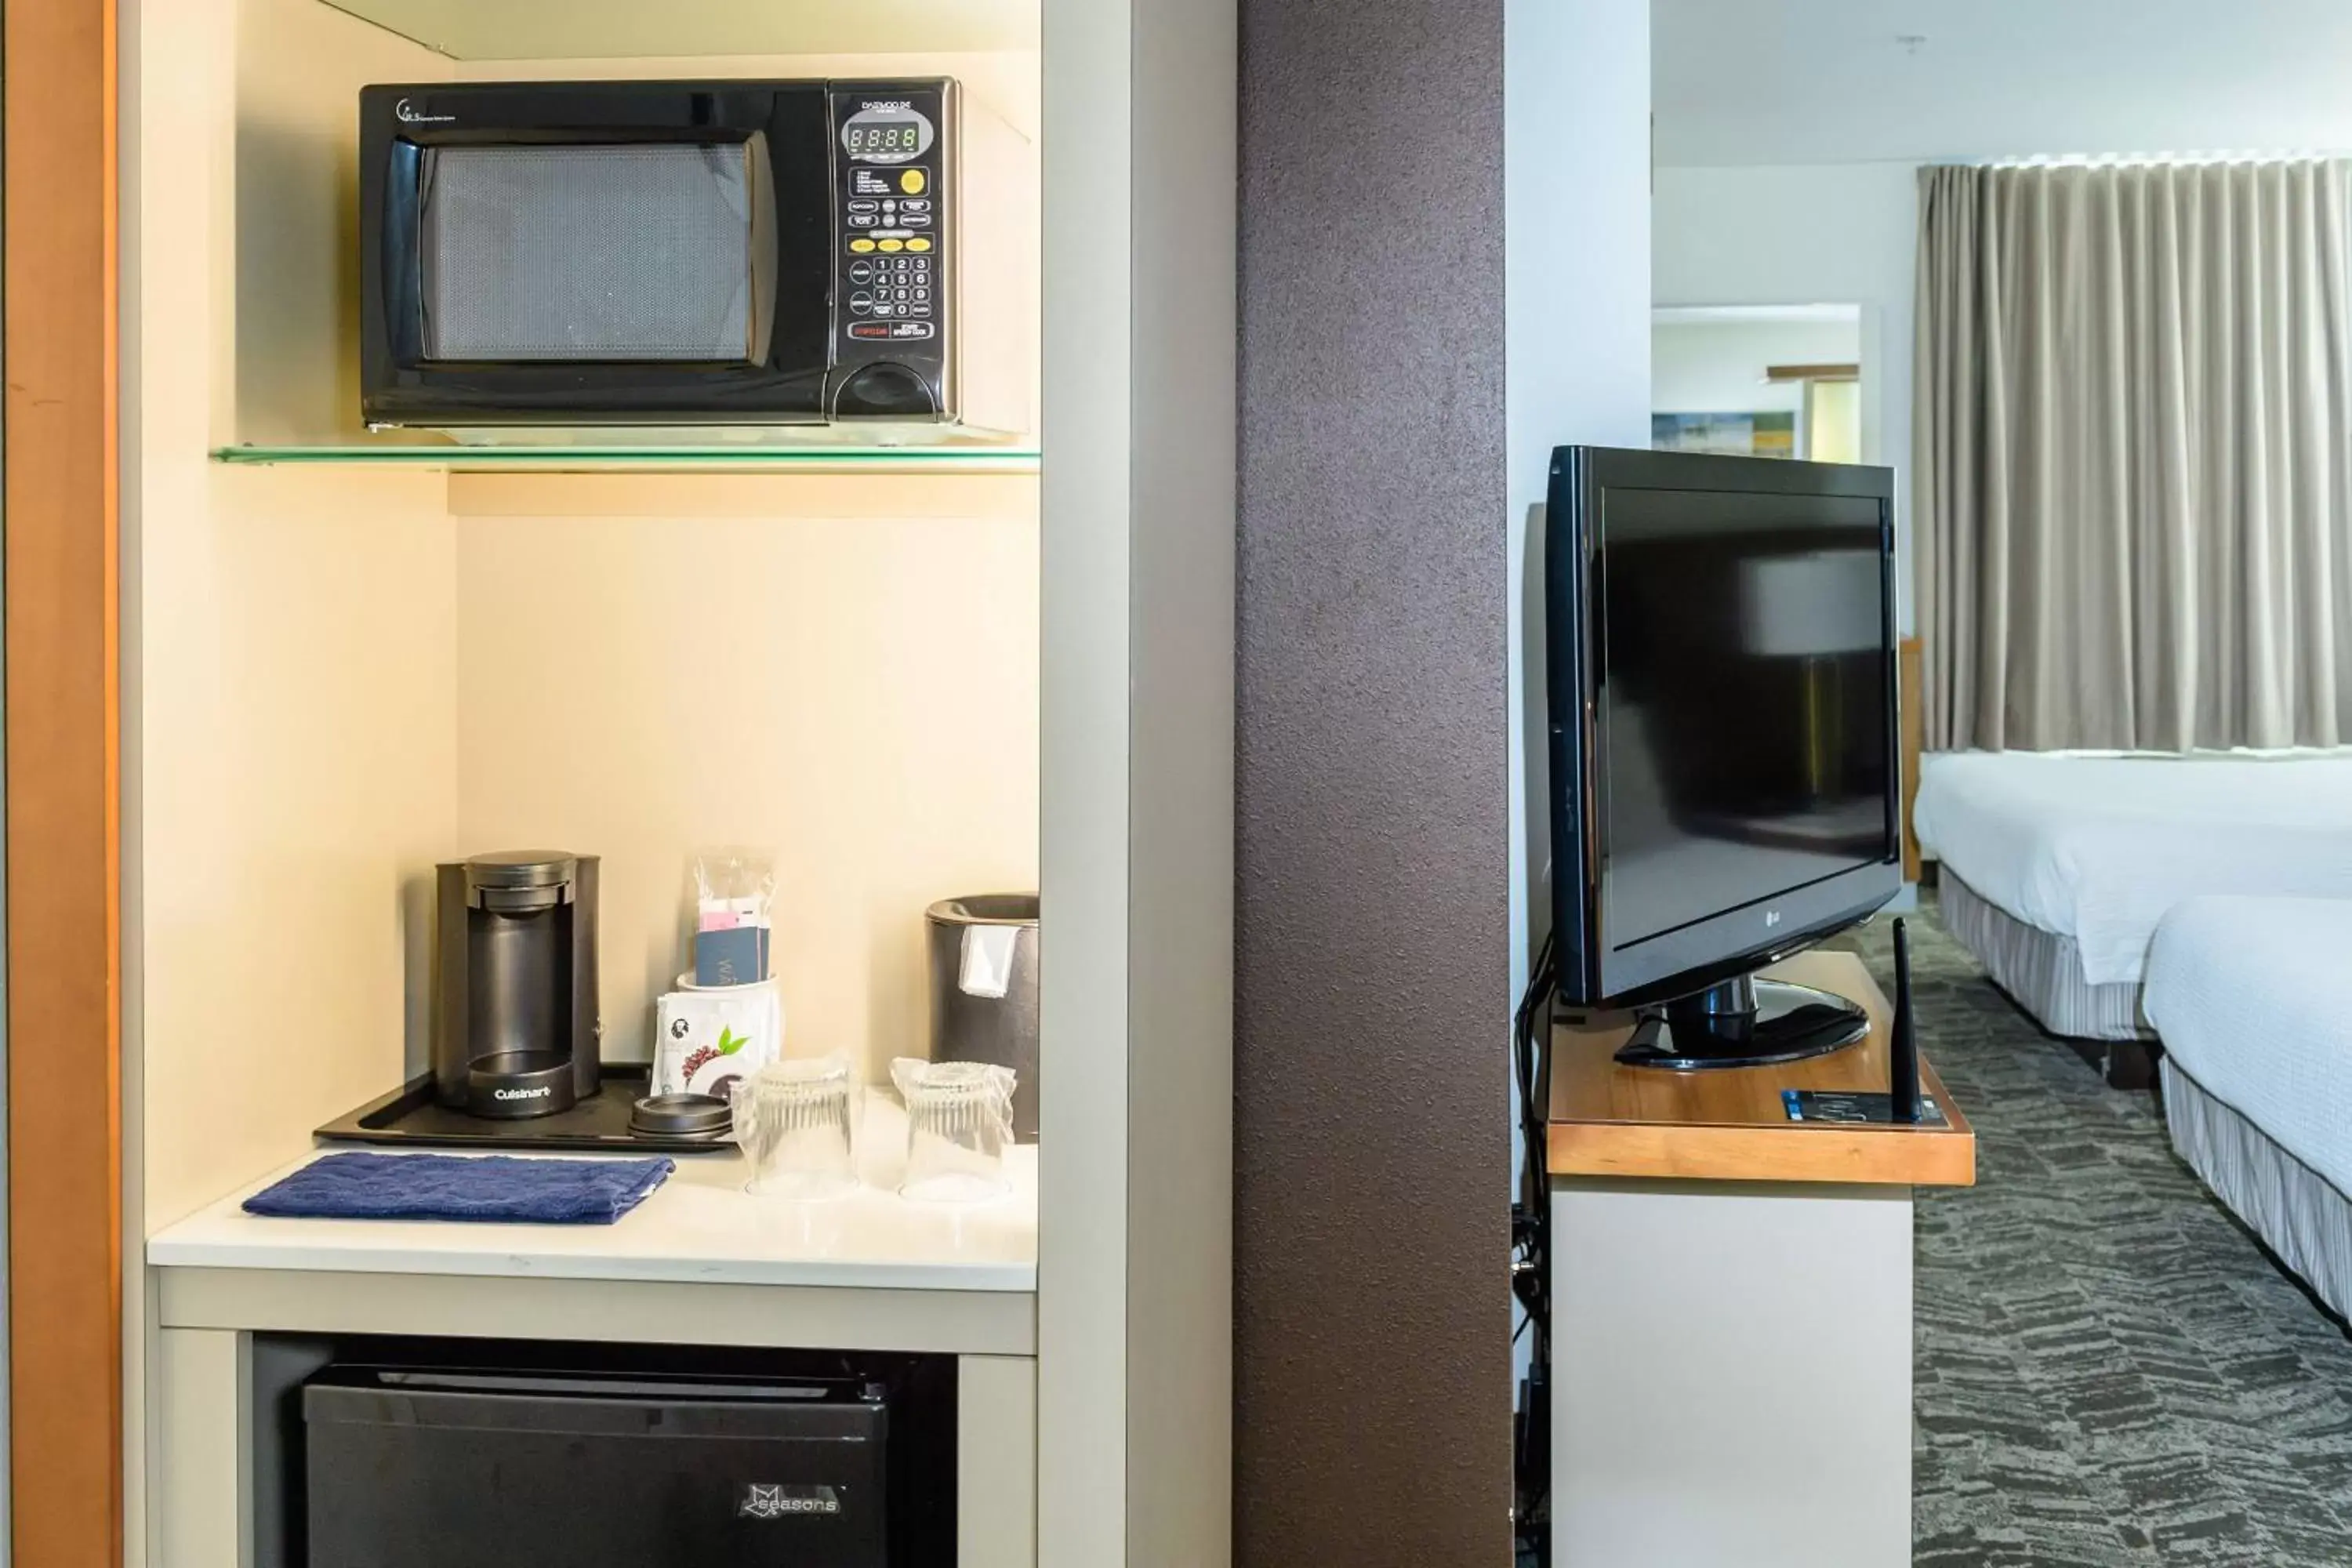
63,722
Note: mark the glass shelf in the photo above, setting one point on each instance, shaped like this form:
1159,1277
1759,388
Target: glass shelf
807,456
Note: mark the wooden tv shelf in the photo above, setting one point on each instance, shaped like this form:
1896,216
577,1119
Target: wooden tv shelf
1609,1120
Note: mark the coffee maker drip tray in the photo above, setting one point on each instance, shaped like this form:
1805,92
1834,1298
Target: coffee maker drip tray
410,1115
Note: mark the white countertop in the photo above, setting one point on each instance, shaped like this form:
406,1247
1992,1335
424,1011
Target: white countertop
699,1227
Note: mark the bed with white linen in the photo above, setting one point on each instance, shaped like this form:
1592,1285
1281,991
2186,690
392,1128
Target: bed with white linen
2056,866
2249,998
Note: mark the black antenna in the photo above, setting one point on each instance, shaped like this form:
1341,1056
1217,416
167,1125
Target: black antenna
1903,1052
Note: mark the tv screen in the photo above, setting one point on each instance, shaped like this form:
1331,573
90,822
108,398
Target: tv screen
1743,701
1727,744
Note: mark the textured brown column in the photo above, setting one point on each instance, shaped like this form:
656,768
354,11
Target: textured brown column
65,1188
1371,1061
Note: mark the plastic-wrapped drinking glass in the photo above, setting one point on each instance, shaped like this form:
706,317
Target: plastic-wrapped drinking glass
959,1122
797,1123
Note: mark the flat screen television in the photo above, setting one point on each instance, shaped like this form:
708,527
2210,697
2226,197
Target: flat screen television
1724,775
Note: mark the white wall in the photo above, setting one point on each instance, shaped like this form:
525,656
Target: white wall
1717,366
1834,233
1576,75
1576,343
840,670
290,633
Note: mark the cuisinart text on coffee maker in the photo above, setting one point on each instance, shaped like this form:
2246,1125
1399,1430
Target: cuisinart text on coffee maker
516,1021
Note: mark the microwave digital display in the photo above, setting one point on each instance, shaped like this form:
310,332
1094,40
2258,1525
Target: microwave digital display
885,138
659,253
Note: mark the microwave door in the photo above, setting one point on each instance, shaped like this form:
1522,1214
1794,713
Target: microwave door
637,254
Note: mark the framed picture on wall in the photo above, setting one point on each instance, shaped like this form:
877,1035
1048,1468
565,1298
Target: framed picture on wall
1755,434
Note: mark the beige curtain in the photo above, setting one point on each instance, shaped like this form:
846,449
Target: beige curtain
2132,416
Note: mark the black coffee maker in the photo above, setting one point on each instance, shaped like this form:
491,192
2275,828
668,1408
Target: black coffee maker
516,1022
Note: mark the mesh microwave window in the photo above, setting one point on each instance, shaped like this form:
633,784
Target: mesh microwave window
588,253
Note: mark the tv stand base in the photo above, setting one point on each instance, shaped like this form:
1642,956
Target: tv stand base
1745,1023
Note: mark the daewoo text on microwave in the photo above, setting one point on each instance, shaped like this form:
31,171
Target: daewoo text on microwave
673,253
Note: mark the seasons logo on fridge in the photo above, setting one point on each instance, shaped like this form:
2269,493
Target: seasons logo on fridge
784,1501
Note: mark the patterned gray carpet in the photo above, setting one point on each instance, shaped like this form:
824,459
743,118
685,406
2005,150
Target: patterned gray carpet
2109,1370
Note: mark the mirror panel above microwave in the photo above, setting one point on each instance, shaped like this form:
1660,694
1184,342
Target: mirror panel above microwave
652,253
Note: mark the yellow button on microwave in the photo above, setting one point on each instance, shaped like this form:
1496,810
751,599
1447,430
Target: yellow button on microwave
894,245
911,182
918,243
861,246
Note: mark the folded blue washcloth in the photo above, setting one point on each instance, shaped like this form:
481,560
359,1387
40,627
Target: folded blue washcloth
448,1186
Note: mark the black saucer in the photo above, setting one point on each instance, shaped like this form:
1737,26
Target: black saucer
684,1115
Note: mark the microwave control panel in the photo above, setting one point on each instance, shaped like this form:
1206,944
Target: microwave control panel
893,275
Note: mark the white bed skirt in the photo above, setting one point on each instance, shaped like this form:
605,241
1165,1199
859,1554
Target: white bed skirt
2040,970
2296,1212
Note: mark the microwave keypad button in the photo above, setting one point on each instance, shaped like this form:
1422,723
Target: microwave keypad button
923,296
862,207
913,181
915,220
860,304
862,220
914,205
868,330
861,245
921,242
895,244
861,272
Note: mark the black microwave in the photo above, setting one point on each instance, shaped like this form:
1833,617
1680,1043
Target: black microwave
675,253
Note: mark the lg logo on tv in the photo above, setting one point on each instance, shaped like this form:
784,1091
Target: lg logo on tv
1771,918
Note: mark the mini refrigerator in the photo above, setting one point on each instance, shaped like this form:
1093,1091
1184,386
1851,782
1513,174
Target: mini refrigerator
408,1468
